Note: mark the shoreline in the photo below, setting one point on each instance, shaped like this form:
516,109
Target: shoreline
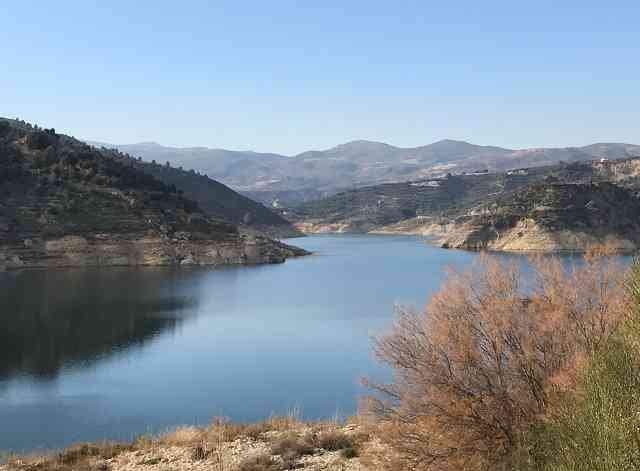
438,241
79,252
279,443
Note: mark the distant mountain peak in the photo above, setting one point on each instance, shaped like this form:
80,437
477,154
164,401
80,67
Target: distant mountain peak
452,141
361,144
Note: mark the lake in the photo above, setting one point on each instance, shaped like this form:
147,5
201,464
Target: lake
89,354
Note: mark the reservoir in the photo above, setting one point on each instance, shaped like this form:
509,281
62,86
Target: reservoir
91,354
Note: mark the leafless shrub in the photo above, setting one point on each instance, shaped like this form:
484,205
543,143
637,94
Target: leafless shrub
334,440
259,462
256,431
201,452
490,355
291,446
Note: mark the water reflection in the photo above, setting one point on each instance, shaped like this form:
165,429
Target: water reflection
51,319
109,354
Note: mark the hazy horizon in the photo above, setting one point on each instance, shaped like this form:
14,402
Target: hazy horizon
267,151
286,77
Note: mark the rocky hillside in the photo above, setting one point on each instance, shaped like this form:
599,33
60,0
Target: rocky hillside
375,207
314,174
218,200
413,207
552,217
478,210
65,203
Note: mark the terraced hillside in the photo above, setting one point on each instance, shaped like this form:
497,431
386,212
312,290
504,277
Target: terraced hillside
64,203
216,199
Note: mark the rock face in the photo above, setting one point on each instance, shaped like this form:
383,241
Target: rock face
67,204
553,218
149,250
421,225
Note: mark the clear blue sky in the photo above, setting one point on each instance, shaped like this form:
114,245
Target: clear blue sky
285,76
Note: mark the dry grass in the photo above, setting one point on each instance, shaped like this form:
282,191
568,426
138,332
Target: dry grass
221,430
276,444
257,431
183,436
81,457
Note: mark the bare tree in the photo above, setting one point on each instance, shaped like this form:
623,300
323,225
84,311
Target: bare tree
490,355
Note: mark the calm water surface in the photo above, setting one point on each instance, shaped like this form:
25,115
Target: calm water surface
113,353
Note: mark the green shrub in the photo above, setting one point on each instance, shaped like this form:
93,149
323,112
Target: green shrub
598,427
601,430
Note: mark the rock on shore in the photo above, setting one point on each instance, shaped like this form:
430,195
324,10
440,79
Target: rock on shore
553,218
148,250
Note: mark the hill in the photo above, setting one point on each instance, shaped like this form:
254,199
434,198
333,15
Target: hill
218,200
375,207
435,207
65,203
310,175
553,217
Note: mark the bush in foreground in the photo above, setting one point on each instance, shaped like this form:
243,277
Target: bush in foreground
490,357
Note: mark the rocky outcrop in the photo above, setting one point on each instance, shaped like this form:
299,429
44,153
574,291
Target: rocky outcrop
319,227
528,236
553,218
150,250
422,225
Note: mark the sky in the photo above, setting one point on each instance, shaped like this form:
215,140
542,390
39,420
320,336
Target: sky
289,76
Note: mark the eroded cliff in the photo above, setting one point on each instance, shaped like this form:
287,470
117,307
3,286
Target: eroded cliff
552,218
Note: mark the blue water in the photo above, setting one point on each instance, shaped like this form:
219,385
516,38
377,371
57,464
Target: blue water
114,353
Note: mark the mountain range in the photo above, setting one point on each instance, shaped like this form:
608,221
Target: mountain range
290,180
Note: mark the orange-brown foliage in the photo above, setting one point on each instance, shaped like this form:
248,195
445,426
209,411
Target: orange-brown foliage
493,350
